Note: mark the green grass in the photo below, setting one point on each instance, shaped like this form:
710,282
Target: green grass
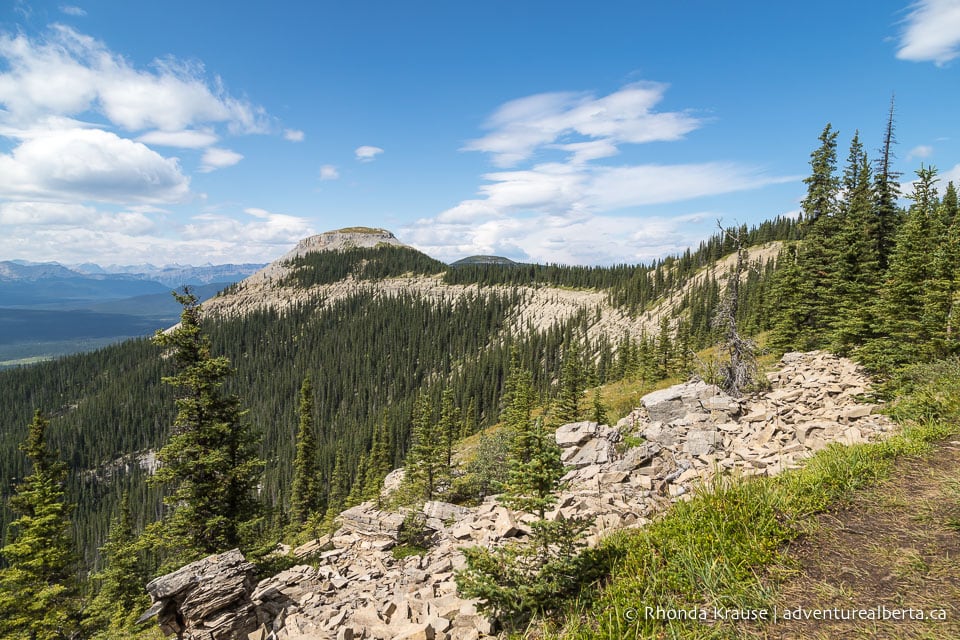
715,550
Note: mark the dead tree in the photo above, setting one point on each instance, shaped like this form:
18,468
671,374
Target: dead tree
740,371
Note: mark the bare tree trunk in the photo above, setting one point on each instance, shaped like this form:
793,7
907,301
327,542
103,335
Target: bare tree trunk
739,373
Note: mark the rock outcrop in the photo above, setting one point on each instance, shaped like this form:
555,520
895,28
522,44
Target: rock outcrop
206,600
619,476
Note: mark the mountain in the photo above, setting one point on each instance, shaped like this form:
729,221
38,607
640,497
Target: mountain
175,275
481,260
48,309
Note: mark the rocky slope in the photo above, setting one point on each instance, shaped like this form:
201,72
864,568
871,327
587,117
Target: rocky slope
354,588
542,306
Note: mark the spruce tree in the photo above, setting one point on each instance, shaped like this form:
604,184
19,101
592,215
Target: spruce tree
886,189
571,386
121,597
210,461
305,490
449,426
807,286
38,597
535,470
901,306
336,492
379,463
532,576
427,470
857,266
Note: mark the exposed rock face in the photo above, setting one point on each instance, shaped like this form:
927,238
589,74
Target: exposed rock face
690,431
349,238
206,600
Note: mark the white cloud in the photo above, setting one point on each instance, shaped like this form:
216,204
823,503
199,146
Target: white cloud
950,175
546,238
521,127
329,172
69,73
570,188
580,209
293,135
932,32
72,10
367,153
130,235
920,151
89,164
216,158
185,139
265,230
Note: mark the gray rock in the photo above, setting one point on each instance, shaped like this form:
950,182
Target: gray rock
700,442
444,511
208,599
576,433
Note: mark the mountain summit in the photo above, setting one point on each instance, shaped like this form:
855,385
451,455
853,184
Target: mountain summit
346,238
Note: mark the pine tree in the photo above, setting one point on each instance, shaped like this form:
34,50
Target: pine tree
37,586
807,286
886,191
599,413
905,336
857,265
949,207
426,466
572,386
379,464
532,576
305,490
535,470
121,597
664,351
450,425
210,461
356,495
336,490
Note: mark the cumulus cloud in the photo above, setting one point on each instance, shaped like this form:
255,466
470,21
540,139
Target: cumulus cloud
521,127
72,10
931,32
215,158
89,164
367,153
329,172
293,135
69,73
266,229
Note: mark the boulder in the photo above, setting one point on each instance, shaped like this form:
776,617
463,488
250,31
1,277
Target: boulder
575,433
208,599
672,403
367,521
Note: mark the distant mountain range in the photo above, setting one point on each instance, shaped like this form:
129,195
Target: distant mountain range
49,309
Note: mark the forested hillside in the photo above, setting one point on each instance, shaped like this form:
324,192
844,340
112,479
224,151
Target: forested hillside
369,355
387,335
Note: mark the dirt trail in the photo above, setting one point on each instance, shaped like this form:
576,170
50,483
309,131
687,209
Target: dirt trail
897,545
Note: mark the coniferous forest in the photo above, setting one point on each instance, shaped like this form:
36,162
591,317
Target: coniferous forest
312,406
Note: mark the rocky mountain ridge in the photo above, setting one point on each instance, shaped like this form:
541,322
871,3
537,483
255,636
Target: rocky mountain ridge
354,588
542,305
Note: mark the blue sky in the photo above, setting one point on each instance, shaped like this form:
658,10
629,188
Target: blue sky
574,132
